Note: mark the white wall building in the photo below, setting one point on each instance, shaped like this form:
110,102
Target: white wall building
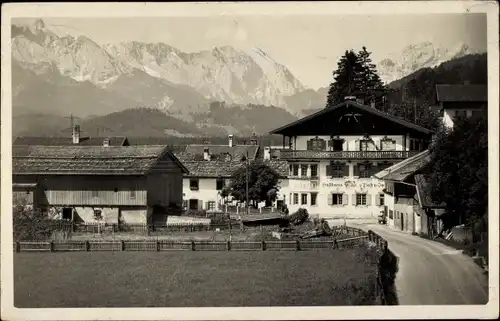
461,101
334,153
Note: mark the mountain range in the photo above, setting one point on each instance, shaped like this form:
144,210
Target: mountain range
54,76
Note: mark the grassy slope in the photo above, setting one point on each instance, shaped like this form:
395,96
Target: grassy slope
125,279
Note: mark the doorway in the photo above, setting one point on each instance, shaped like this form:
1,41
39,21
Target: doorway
67,213
402,222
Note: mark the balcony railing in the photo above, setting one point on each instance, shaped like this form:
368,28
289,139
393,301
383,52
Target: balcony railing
311,154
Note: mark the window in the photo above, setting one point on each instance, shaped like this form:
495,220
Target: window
381,199
314,170
95,193
364,171
336,199
361,199
193,184
336,170
363,145
295,171
387,144
67,213
303,170
391,214
97,214
219,184
417,145
211,205
316,144
193,204
314,197
295,198
132,194
337,144
303,199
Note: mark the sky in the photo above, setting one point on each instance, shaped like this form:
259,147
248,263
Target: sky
309,46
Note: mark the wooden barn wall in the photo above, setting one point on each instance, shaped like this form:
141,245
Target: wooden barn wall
78,190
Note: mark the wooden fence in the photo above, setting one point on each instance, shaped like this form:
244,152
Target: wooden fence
165,245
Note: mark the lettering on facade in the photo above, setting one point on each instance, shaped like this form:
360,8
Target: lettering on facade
353,184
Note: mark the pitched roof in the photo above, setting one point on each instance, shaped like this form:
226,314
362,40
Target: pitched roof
218,167
223,167
424,193
87,160
68,141
368,109
402,170
236,151
134,140
462,93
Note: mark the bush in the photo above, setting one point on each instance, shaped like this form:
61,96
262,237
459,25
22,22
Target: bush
32,225
299,217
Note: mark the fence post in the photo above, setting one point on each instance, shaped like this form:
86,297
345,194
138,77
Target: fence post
51,246
263,245
18,247
87,246
229,245
370,235
157,246
297,243
192,246
123,245
335,244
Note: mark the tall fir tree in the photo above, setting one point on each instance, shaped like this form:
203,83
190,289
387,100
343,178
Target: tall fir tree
356,75
347,81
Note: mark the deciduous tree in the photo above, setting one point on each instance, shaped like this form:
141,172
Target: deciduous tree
261,181
459,170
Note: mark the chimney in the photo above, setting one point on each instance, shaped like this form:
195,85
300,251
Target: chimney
267,153
105,142
206,154
230,140
351,98
253,140
76,134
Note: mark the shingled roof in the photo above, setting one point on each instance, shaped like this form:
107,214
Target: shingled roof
236,151
87,160
223,167
402,170
424,193
68,141
462,93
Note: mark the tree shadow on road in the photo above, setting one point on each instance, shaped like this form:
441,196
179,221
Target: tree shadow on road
388,269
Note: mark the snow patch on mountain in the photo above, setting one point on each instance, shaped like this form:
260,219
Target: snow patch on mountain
417,56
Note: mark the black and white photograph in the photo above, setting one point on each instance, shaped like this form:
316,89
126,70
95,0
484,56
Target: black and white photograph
249,161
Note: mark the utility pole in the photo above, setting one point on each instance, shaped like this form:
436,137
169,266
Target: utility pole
247,181
415,109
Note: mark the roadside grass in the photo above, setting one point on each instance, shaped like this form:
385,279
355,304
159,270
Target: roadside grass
189,279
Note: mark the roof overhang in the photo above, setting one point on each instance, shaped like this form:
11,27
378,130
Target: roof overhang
375,112
24,186
423,157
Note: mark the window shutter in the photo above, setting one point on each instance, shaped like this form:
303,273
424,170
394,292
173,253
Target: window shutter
309,145
377,200
330,143
329,170
185,204
207,206
356,169
345,199
323,144
357,145
200,204
354,199
368,199
330,199
345,171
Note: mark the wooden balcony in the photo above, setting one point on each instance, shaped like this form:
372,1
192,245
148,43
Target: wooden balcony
311,154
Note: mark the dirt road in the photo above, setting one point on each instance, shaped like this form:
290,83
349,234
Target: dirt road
432,273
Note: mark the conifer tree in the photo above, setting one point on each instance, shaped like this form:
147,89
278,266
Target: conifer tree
356,75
